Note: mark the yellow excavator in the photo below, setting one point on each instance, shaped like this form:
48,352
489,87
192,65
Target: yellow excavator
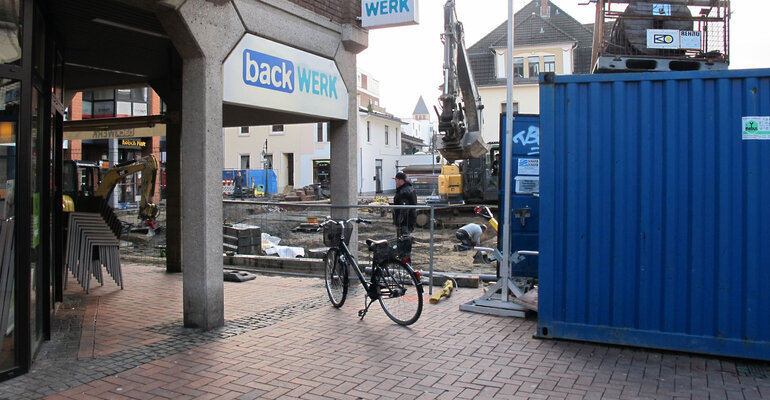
82,179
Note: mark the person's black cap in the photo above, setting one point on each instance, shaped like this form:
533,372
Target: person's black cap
401,176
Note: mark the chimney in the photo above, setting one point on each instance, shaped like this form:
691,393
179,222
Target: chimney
545,9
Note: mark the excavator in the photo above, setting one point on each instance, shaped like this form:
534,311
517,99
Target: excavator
81,179
460,118
460,122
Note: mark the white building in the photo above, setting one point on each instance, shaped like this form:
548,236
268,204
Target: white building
292,151
379,143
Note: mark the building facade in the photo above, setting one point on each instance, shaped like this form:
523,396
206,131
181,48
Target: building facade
546,39
295,153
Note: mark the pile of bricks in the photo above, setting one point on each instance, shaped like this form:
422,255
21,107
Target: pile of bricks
301,195
242,239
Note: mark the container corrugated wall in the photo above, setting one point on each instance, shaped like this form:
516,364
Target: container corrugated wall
655,213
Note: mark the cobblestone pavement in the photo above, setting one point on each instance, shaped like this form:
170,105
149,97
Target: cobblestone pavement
282,339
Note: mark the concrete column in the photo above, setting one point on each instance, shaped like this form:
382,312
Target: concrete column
203,32
343,135
202,159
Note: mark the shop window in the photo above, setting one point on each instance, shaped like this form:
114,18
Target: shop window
9,117
104,109
123,94
518,67
549,64
104,94
139,95
534,66
139,109
123,109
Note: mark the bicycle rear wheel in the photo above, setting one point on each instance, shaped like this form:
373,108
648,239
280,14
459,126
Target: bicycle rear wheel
400,293
336,275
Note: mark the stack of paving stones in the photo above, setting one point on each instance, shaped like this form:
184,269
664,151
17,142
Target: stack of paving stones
242,239
301,195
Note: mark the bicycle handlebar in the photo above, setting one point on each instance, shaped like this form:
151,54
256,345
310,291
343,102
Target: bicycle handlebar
356,220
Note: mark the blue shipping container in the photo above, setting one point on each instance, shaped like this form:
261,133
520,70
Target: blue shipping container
524,187
655,210
255,178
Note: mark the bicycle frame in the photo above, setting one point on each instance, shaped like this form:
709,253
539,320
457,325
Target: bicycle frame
349,259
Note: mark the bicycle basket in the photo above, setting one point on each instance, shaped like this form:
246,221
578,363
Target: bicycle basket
382,252
332,234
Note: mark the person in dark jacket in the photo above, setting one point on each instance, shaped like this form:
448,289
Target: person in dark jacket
238,186
404,219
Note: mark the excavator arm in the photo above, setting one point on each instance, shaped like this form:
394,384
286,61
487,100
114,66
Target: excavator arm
460,119
148,166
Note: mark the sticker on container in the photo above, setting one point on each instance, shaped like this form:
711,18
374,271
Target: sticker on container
527,184
755,128
529,166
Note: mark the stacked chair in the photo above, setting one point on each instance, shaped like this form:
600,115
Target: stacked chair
91,244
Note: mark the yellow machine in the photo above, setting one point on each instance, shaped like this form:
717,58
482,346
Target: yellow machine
81,177
450,183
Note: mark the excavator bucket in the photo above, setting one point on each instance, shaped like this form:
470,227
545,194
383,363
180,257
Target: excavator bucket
470,145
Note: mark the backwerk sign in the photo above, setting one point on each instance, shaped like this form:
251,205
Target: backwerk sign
264,74
384,13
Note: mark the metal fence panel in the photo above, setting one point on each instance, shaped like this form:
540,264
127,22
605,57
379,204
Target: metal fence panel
655,211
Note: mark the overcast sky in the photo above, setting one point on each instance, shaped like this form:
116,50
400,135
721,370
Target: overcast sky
407,60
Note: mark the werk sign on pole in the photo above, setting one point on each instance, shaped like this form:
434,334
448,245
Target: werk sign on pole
387,13
264,74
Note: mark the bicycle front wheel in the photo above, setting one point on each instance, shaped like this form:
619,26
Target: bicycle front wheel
400,293
336,275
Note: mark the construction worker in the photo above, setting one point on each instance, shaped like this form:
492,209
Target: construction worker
470,236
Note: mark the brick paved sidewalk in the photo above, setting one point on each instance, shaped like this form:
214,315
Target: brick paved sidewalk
283,339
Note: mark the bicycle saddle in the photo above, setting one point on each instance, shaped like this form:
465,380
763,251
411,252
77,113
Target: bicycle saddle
371,243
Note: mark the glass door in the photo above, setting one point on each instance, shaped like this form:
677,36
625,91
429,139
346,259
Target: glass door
9,124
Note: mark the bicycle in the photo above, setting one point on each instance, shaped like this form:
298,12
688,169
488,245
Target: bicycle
392,282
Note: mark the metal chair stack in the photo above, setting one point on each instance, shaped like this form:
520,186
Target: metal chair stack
90,244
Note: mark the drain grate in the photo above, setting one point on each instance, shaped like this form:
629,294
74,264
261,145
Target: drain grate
757,371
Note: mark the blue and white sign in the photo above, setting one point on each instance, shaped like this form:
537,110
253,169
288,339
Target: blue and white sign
385,13
264,74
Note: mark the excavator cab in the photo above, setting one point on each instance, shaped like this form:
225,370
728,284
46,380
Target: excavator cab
79,178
